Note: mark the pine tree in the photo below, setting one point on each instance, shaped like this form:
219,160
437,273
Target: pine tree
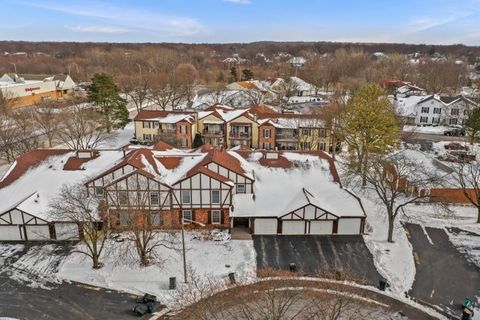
104,93
473,125
368,125
197,141
247,74
233,74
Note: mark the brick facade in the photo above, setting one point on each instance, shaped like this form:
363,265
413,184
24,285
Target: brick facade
262,140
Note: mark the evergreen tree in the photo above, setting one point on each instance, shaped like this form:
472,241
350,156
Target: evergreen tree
197,141
233,74
104,93
247,74
473,125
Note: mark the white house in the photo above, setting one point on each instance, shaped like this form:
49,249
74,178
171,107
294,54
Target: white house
443,110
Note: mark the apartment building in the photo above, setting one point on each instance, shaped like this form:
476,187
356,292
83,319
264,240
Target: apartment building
258,127
207,186
443,110
174,127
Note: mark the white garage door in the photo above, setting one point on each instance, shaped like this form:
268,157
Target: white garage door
321,227
10,233
66,231
38,232
349,226
265,226
293,227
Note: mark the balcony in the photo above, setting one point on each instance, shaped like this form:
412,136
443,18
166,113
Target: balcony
212,133
286,137
240,135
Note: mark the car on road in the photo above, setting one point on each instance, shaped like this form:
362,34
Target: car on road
454,131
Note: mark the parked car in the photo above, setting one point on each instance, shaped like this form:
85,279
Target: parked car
454,132
456,146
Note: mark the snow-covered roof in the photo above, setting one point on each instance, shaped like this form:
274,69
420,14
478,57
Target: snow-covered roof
33,190
281,190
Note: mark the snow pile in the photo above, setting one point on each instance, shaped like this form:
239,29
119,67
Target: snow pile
467,243
426,130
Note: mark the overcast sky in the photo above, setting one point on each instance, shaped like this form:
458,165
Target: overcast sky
411,21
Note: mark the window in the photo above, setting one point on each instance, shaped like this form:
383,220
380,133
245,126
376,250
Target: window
147,137
454,112
453,121
423,119
183,129
267,133
425,109
99,191
122,198
186,197
146,124
306,132
266,145
184,142
187,216
215,196
437,110
435,120
321,146
156,218
306,145
240,188
216,217
154,199
123,218
322,133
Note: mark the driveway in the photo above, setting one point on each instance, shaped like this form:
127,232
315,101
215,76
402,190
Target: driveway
60,301
444,276
317,254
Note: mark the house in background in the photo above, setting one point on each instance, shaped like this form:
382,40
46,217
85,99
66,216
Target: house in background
443,110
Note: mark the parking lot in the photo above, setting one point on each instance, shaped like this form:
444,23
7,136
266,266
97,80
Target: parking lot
60,301
317,254
444,276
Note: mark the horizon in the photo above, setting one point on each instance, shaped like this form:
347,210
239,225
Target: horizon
430,22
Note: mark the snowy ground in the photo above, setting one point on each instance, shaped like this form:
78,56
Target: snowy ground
119,138
426,130
43,266
395,260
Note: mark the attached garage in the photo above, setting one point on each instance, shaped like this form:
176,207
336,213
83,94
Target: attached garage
321,227
66,231
349,226
37,232
11,233
293,227
265,226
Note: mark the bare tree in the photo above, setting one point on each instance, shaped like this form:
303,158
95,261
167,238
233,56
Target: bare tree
47,120
81,128
17,135
138,89
468,179
398,182
74,203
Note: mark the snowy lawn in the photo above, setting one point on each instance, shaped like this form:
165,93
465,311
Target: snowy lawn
121,271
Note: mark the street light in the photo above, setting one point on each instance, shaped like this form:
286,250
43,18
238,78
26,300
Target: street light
183,245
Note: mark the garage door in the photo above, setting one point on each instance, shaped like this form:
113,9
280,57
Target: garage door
349,226
321,227
66,231
38,232
293,227
10,233
265,226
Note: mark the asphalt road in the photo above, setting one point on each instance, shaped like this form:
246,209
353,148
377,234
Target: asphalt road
61,301
444,276
317,254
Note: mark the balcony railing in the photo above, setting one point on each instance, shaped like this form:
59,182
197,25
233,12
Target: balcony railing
290,137
240,135
210,133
